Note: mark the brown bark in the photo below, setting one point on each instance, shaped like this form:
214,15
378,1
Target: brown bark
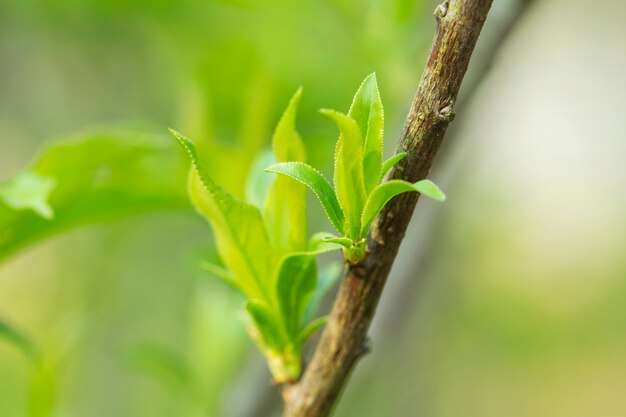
430,238
344,338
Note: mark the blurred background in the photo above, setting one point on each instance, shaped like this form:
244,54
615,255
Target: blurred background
509,299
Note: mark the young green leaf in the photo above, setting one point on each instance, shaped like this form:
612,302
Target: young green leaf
391,162
349,182
241,237
367,111
297,278
386,191
286,143
430,190
311,328
285,209
319,244
343,241
316,182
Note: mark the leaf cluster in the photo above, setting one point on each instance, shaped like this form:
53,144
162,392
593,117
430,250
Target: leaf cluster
358,194
262,242
264,249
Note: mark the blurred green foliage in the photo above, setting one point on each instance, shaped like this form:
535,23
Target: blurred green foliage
217,70
123,320
97,177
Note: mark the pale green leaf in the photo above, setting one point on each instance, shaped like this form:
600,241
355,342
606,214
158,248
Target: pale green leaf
297,278
319,244
367,111
430,190
99,176
240,234
349,183
28,191
285,209
286,142
386,191
311,328
391,162
316,182
343,241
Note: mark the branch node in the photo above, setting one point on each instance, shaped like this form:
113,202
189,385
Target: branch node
358,269
446,114
364,348
441,10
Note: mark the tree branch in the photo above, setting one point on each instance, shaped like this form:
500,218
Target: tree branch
344,338
403,293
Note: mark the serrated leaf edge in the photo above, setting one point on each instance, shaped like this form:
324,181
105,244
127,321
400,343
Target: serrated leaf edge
337,223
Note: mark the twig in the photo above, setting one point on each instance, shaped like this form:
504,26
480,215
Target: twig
429,239
341,343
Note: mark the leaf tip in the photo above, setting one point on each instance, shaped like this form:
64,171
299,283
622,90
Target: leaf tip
174,133
182,139
430,190
370,83
187,144
298,93
295,99
335,115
